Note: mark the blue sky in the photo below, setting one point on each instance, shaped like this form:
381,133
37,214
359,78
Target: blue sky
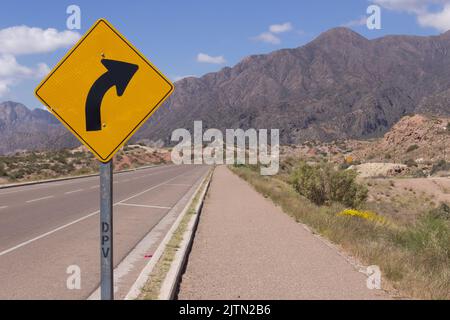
192,37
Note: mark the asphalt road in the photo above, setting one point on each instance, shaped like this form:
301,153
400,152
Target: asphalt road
46,228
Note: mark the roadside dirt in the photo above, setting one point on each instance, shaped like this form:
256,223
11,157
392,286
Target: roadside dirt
247,248
437,188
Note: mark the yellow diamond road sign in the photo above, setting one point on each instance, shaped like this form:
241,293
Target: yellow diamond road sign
103,90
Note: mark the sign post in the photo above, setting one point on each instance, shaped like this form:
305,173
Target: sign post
106,231
87,92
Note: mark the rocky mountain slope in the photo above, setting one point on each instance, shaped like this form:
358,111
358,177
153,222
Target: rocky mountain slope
25,129
417,138
341,85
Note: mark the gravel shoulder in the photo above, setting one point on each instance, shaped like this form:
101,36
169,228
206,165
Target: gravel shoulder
247,248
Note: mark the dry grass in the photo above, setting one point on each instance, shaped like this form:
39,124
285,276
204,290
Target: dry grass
403,205
152,288
414,258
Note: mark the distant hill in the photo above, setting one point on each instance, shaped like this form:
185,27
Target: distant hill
340,85
417,138
25,129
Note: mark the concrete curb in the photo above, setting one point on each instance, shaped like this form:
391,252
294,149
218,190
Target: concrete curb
30,183
171,283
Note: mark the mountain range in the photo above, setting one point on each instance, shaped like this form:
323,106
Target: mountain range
339,86
25,129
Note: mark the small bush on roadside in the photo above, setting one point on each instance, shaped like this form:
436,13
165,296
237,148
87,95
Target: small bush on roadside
410,163
413,257
323,184
442,165
429,239
344,166
418,173
441,212
2,170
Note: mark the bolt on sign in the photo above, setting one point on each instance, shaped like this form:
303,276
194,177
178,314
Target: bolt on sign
103,90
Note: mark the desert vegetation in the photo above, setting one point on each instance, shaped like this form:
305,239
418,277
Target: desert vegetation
366,218
31,166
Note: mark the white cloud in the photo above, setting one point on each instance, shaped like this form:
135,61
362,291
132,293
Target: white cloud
361,21
274,29
268,37
205,58
9,67
4,87
21,40
439,20
42,70
426,17
405,5
11,72
27,40
280,28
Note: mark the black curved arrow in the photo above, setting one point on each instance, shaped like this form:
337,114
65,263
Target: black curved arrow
119,74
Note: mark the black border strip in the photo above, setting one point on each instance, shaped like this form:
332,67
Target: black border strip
140,122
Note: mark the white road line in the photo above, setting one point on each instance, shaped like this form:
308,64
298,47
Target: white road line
142,205
3,207
80,180
46,234
93,187
39,199
82,218
32,188
149,189
73,191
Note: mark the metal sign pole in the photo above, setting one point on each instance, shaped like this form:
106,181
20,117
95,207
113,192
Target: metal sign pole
106,230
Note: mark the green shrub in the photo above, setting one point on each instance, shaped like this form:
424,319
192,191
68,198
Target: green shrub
344,165
17,174
442,165
323,184
418,173
441,212
410,163
429,239
3,172
412,148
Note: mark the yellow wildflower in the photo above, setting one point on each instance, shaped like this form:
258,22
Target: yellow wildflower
367,215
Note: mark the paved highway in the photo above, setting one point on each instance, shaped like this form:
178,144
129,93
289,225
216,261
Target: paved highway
46,228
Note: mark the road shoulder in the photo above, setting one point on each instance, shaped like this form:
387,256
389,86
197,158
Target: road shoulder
247,248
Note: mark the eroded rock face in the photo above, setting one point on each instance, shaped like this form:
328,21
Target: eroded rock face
339,86
419,138
25,129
